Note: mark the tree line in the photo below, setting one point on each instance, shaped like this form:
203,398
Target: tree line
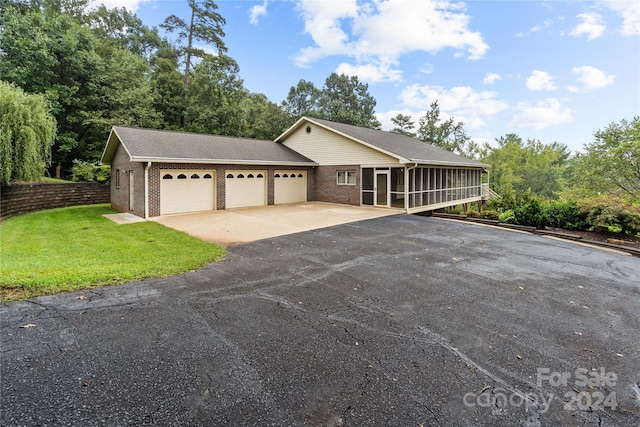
545,184
99,67
68,73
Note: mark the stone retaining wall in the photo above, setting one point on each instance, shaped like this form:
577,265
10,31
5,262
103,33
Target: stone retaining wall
18,199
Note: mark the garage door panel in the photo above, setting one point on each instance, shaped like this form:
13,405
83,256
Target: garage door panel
186,191
290,186
244,188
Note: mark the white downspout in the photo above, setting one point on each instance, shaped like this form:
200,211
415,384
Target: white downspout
146,190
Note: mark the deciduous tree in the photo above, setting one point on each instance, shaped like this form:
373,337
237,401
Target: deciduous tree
90,82
611,163
342,99
27,132
263,119
167,87
215,97
531,166
345,99
302,100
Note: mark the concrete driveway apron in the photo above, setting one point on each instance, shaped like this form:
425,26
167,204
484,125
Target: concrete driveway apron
245,225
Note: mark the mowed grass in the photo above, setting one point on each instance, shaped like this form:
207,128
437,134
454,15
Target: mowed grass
69,249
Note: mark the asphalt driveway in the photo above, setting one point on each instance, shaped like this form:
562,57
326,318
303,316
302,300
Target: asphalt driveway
399,321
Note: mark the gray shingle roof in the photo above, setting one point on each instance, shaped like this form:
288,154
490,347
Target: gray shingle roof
159,145
400,145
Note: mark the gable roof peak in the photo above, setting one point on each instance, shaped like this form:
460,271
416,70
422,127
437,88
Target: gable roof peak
404,147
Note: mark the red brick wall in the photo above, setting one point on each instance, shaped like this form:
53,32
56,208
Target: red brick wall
120,195
327,189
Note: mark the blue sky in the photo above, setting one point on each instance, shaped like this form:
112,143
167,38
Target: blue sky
549,70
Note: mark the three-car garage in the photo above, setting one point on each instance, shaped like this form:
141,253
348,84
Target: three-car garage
183,191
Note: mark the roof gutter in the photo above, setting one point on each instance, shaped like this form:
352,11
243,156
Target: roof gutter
445,163
222,161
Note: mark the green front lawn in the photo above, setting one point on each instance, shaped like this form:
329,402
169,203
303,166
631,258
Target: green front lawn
68,249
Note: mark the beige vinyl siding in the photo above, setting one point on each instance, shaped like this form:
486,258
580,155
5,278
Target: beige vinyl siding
327,148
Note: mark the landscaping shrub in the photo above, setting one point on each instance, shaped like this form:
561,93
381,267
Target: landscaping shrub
89,172
453,210
493,215
531,213
508,217
566,214
506,201
510,200
609,212
471,213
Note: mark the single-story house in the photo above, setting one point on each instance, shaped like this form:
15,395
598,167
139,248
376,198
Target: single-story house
156,172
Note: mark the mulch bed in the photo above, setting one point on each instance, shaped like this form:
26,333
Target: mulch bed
605,237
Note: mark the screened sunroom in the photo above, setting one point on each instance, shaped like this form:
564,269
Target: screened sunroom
420,188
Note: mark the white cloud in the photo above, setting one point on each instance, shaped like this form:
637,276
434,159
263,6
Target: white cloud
371,72
592,26
380,32
630,13
257,11
426,68
387,124
463,102
592,78
540,80
541,114
491,78
130,5
547,24
536,28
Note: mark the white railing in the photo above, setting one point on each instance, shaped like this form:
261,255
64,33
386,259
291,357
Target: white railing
488,193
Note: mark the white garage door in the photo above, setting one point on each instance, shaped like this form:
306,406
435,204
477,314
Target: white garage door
289,186
245,188
186,191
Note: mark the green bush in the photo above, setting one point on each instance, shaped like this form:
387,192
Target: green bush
482,215
566,214
508,217
89,172
506,201
510,200
531,213
453,210
473,214
493,215
611,211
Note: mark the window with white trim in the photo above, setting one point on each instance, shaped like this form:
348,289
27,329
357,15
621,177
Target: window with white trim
346,177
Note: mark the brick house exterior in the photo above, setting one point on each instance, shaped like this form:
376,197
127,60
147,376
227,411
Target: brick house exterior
121,169
327,189
341,164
